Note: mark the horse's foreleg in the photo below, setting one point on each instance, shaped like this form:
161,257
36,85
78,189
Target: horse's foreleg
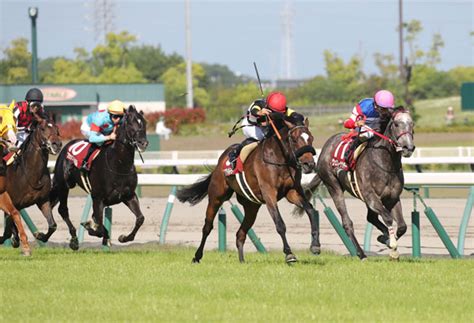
211,211
272,207
64,212
338,197
45,208
250,210
6,205
134,205
373,218
297,199
397,214
375,204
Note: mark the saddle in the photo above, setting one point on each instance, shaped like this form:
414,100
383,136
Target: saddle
78,151
11,156
239,167
339,161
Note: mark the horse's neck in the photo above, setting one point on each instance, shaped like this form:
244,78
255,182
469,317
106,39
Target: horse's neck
34,160
387,153
123,154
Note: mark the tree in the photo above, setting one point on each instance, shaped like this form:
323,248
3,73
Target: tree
413,29
16,62
433,56
220,75
174,80
71,71
152,62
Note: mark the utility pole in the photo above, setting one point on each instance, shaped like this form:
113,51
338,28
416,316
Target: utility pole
287,41
400,39
33,13
189,73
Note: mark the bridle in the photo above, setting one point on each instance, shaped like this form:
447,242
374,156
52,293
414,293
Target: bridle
131,138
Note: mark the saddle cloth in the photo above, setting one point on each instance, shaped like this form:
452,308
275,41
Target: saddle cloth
78,151
10,157
239,166
338,159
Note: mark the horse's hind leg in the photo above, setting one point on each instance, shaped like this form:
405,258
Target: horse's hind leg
64,212
6,205
134,206
297,199
250,210
7,230
45,208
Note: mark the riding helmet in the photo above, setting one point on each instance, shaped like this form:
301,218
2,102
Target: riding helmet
384,99
276,101
34,94
116,107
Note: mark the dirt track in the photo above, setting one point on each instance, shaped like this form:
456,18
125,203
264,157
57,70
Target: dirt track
186,223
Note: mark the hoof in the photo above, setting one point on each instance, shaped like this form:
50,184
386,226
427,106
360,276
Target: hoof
41,237
383,239
74,244
15,242
394,255
290,258
315,250
123,238
26,252
195,261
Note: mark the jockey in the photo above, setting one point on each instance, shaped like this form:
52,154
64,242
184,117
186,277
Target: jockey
99,126
24,112
255,126
368,114
7,132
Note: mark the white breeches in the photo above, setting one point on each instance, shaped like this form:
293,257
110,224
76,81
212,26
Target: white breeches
251,131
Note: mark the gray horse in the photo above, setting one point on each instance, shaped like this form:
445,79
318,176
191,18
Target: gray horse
378,179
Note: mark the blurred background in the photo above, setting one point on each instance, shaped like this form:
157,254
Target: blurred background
324,55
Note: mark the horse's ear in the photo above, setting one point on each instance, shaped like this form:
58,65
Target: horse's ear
306,122
288,124
131,108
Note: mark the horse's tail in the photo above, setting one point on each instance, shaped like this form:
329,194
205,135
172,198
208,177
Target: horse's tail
195,192
308,190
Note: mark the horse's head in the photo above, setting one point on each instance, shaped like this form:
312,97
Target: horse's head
401,128
134,129
47,134
301,145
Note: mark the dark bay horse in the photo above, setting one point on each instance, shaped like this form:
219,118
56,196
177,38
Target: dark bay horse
379,176
28,178
273,171
112,176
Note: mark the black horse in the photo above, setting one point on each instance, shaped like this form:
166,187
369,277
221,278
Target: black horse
28,177
112,177
378,177
272,171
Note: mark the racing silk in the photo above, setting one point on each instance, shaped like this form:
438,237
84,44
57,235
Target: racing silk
254,119
24,119
365,110
100,126
7,123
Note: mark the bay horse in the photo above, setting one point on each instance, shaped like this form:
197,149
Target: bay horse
379,177
28,177
272,171
112,177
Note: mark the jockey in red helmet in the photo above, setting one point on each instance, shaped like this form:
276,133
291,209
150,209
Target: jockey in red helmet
254,125
24,112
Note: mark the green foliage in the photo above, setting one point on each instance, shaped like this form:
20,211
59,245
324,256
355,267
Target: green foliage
220,75
150,283
17,61
174,80
152,62
70,71
229,104
462,74
427,82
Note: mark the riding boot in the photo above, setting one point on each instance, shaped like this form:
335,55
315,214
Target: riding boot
92,147
234,154
352,147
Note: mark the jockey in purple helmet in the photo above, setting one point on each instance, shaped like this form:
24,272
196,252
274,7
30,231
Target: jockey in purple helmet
368,113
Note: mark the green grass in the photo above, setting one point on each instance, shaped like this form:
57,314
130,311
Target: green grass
160,284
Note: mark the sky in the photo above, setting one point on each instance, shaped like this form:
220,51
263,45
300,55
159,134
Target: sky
237,33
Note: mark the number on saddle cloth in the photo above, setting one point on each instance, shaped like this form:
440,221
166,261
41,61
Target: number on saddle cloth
78,151
342,157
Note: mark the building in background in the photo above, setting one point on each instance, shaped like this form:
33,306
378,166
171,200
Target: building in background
74,101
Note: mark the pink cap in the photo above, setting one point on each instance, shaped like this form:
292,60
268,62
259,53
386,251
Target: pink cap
384,99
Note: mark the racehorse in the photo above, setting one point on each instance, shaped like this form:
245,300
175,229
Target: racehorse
28,178
272,171
112,178
379,178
